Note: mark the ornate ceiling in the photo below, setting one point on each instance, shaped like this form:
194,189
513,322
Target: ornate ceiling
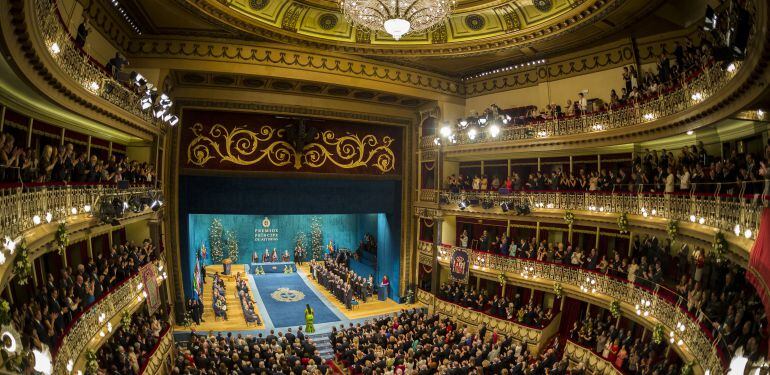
481,34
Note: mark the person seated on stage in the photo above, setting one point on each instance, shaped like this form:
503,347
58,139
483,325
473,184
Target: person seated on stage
285,257
255,258
274,257
266,256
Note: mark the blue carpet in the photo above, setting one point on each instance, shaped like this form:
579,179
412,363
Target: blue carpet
290,314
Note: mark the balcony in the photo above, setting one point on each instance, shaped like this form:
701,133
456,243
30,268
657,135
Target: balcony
97,323
664,308
708,83
30,214
732,214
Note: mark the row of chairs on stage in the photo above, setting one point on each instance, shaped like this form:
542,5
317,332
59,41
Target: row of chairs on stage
219,300
247,303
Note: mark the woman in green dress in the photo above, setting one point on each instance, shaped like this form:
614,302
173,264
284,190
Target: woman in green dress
309,317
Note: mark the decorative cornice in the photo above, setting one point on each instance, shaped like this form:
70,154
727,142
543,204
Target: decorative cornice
294,110
281,56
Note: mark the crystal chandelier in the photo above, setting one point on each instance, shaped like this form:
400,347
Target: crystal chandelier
396,17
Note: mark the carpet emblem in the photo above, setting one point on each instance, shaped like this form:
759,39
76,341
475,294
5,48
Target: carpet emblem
287,295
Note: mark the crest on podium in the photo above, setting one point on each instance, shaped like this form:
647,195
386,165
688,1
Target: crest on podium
459,265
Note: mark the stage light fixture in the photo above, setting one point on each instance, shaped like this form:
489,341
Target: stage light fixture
472,133
138,79
487,204
445,131
494,130
173,120
159,111
462,204
505,206
167,117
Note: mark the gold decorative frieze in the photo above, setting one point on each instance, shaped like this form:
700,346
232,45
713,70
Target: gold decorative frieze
427,213
425,259
274,144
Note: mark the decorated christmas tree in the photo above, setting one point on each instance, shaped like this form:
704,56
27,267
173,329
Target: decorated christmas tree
301,238
232,246
316,238
216,243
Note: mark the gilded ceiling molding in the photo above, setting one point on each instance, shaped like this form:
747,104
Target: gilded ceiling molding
284,57
527,30
602,58
294,110
103,19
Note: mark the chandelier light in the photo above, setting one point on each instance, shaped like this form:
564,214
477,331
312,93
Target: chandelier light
396,17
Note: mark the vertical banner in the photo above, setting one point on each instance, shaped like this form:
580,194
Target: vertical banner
459,265
150,280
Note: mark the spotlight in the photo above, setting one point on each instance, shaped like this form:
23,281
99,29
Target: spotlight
159,111
165,102
167,117
94,86
482,120
747,233
173,120
36,219
74,210
55,49
505,206
494,130
689,132
701,221
87,208
48,217
487,204
472,133
463,122
138,79
692,218
731,68
445,131
146,102
463,204
737,229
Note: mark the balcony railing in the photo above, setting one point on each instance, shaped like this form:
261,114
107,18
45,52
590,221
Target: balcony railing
96,320
79,66
695,337
157,362
24,207
593,363
732,214
707,83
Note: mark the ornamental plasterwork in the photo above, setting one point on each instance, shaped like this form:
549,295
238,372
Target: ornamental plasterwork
427,213
296,22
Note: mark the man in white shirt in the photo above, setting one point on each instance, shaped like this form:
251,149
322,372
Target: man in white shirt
583,103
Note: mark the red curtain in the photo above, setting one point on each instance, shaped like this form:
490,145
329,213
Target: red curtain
759,261
573,308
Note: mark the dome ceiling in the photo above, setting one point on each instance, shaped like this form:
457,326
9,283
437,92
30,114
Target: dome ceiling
476,27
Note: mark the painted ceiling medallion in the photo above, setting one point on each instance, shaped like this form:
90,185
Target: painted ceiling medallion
397,17
327,21
543,5
474,22
258,4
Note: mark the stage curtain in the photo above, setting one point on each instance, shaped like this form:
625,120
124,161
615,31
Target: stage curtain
571,313
759,261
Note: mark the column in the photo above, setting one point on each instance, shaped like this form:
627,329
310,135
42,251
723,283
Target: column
2,118
155,234
434,275
90,247
29,131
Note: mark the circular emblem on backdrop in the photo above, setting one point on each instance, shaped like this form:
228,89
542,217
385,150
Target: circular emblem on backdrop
266,223
543,5
258,4
474,22
327,21
287,295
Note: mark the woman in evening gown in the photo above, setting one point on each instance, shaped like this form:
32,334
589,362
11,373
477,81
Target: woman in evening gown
309,317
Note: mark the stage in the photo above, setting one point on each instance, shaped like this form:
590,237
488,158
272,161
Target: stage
281,299
270,267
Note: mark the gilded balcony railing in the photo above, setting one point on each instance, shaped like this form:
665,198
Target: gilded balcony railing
24,207
97,320
79,66
671,314
158,363
707,83
731,214
593,363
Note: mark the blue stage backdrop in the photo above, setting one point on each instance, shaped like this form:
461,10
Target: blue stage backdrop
348,208
258,232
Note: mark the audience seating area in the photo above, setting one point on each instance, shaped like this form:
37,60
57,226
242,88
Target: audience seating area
127,350
247,302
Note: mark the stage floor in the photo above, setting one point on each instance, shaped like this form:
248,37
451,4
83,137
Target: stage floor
288,310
